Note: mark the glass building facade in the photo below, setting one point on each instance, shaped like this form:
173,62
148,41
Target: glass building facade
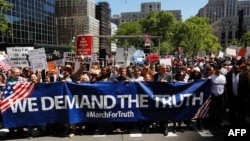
33,21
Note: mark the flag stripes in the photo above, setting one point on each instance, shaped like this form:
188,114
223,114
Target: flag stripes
16,93
203,110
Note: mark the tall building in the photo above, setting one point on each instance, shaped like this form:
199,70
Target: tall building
146,9
103,13
75,17
224,18
114,28
150,6
226,29
32,22
215,9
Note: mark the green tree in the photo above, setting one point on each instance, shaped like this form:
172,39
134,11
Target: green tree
236,42
4,22
129,34
198,36
246,39
193,35
158,24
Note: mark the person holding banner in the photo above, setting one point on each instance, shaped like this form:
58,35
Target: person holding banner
195,75
149,76
34,78
164,75
179,78
2,84
13,79
218,82
104,76
83,78
69,76
137,75
122,76
120,127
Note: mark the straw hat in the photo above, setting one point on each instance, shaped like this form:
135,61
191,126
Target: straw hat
67,68
93,71
196,69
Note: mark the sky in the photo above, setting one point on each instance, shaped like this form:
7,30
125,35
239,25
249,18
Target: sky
188,7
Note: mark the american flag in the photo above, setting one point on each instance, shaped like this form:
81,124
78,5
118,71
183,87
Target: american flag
203,110
15,93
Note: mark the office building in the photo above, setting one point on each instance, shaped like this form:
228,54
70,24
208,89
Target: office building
146,9
103,13
224,18
32,22
76,17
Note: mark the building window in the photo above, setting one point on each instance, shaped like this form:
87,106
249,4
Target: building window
223,35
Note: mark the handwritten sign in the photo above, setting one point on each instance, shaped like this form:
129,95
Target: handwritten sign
18,56
37,59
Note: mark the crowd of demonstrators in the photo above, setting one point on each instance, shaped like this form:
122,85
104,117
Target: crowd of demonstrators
180,78
230,78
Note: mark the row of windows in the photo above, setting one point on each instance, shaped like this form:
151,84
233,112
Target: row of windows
15,16
31,8
32,21
71,2
32,2
23,40
21,33
32,26
37,39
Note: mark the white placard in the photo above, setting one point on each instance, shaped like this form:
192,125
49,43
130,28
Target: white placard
231,52
247,51
18,56
221,54
70,58
167,61
37,59
120,58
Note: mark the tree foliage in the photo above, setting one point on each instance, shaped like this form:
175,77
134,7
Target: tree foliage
198,32
4,22
132,32
246,39
193,35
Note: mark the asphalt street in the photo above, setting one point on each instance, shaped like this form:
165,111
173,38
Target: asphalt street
193,133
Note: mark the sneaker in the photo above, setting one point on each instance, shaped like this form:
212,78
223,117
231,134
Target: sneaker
118,130
71,135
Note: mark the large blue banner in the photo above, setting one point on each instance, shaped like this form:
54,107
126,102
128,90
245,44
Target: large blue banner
28,104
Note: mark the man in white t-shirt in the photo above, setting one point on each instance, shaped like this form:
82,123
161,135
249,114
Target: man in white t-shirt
218,82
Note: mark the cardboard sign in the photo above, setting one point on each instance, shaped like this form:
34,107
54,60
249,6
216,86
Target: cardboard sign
18,56
242,52
37,59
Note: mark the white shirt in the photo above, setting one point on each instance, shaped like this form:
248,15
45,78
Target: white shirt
218,84
139,78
